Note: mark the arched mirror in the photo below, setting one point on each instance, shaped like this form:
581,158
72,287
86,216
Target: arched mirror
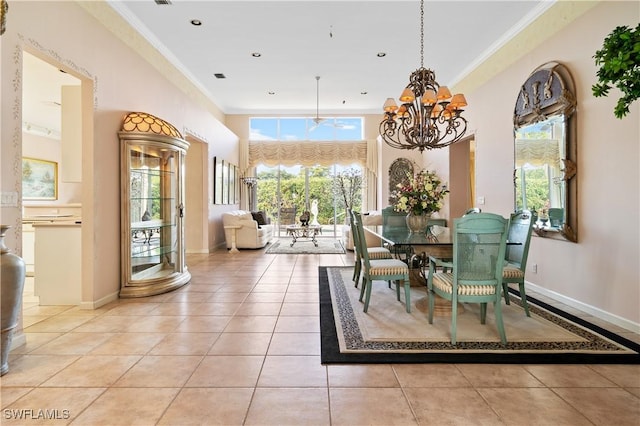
545,151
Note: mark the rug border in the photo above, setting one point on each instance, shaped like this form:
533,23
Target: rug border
267,251
330,350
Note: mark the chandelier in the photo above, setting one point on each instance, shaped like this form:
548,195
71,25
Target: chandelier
428,116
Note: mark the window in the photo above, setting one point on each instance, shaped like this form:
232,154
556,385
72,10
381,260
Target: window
301,129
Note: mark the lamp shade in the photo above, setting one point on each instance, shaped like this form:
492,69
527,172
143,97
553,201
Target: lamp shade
389,105
458,101
443,93
407,96
429,97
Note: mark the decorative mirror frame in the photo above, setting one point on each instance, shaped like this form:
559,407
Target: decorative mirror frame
399,172
549,91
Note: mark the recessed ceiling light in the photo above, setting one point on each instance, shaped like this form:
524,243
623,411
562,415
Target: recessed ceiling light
196,22
364,93
219,75
271,92
381,54
256,54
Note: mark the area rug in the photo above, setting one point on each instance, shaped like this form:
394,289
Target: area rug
388,334
303,246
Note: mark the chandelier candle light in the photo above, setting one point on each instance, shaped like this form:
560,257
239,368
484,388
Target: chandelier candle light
428,116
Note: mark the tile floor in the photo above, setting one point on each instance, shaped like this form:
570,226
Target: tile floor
241,345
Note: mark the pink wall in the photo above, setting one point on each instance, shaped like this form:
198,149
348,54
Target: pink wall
601,270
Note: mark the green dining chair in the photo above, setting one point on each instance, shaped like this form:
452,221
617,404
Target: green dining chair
380,270
520,228
374,252
479,242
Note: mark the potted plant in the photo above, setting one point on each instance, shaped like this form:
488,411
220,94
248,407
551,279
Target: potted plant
619,61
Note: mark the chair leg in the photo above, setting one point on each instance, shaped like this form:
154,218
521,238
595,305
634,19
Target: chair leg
431,295
368,285
523,297
497,307
454,318
505,289
407,295
356,273
483,313
397,290
363,287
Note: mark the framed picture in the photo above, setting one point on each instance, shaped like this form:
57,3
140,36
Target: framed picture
217,180
225,182
39,179
232,184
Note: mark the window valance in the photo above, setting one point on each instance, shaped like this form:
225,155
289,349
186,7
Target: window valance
306,153
537,152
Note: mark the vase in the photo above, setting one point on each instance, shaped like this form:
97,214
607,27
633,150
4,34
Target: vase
12,274
417,223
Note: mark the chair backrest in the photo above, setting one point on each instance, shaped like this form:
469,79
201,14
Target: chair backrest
556,217
473,210
479,242
360,240
520,227
393,219
354,234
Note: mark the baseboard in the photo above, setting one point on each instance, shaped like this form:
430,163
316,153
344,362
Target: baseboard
100,302
591,310
199,251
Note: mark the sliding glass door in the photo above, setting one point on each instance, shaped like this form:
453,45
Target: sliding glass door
284,193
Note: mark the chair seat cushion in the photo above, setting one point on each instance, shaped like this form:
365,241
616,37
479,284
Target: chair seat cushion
444,282
388,267
512,272
379,253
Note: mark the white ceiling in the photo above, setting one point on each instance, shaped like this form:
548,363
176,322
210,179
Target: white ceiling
299,40
336,40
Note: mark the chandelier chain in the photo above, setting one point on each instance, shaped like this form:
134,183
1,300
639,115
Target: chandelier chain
422,34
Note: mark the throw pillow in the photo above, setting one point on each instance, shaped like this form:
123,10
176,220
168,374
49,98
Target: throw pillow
259,217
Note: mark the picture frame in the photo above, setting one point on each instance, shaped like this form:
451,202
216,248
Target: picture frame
39,179
217,180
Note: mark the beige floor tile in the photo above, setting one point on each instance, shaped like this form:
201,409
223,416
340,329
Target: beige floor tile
604,406
306,297
270,288
430,375
451,406
93,371
265,298
568,376
160,372
227,371
128,344
248,308
228,297
531,406
253,323
107,324
300,309
498,375
34,341
64,404
369,406
203,324
59,324
11,394
362,376
133,308
195,407
72,344
175,309
126,406
216,308
32,370
289,407
185,344
299,324
155,324
188,297
241,344
634,391
293,371
295,344
622,375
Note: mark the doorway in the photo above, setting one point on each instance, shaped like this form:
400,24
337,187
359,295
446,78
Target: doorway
462,183
53,134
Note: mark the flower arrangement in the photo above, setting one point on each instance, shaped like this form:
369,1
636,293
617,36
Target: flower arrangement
423,193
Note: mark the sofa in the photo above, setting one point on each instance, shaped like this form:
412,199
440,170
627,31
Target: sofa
252,230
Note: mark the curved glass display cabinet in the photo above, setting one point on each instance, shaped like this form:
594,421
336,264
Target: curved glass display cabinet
545,151
152,219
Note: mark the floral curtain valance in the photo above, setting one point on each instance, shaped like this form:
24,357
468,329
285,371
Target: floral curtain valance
306,153
537,152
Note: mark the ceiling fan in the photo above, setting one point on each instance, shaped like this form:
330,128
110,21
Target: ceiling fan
318,120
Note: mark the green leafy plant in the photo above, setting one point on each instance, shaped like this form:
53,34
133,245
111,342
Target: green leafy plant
619,61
